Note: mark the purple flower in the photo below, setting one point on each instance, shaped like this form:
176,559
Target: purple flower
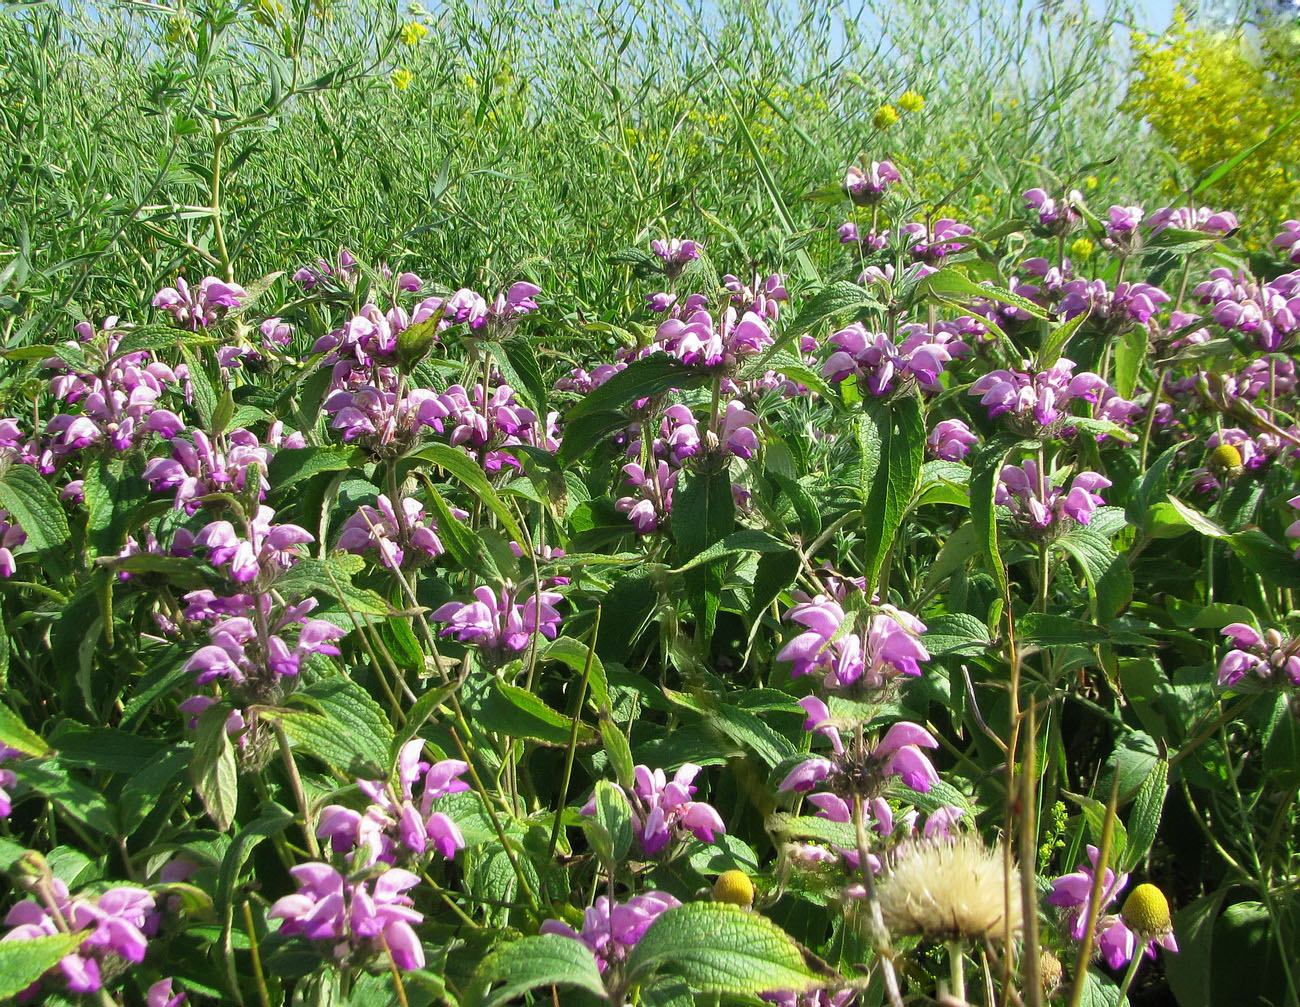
876,361
115,920
1117,309
238,653
485,430
1041,506
650,508
931,245
869,186
890,646
1115,940
663,811
1184,218
1038,402
764,296
397,813
1123,221
899,753
676,252
1293,530
7,780
340,270
1268,312
379,528
160,995
698,341
194,309
951,440
1289,240
264,550
1264,658
495,621
611,929
202,467
1055,216
353,916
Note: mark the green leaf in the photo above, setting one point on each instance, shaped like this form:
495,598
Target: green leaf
720,948
1274,562
575,655
212,767
520,714
83,803
609,830
416,717
468,472
748,541
1195,520
332,578
1190,971
1144,820
704,512
350,732
22,962
292,465
1109,578
891,441
1100,991
546,960
34,506
1055,342
833,299
273,820
18,736
949,283
986,467
644,378
518,365
1130,355
415,341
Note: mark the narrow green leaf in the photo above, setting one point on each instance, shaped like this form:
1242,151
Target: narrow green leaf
641,379
891,442
212,767
468,472
1144,820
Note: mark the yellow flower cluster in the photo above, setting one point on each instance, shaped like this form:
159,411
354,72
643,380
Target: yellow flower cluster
1210,95
413,31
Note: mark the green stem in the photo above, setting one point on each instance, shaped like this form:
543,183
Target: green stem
1138,955
299,795
573,740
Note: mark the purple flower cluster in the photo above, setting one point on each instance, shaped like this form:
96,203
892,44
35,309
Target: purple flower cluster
1038,403
200,467
950,440
663,811
11,537
932,244
887,647
882,366
611,929
871,241
1289,240
675,253
194,308
250,637
118,922
1055,216
495,622
397,814
340,270
1115,940
764,296
1265,658
701,341
1184,218
119,397
1113,309
652,501
487,430
264,550
380,528
359,918
867,187
1268,312
1041,506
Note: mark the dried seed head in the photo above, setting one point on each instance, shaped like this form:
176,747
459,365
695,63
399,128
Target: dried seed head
949,890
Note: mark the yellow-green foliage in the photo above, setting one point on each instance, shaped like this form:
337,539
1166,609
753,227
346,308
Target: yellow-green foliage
1212,94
